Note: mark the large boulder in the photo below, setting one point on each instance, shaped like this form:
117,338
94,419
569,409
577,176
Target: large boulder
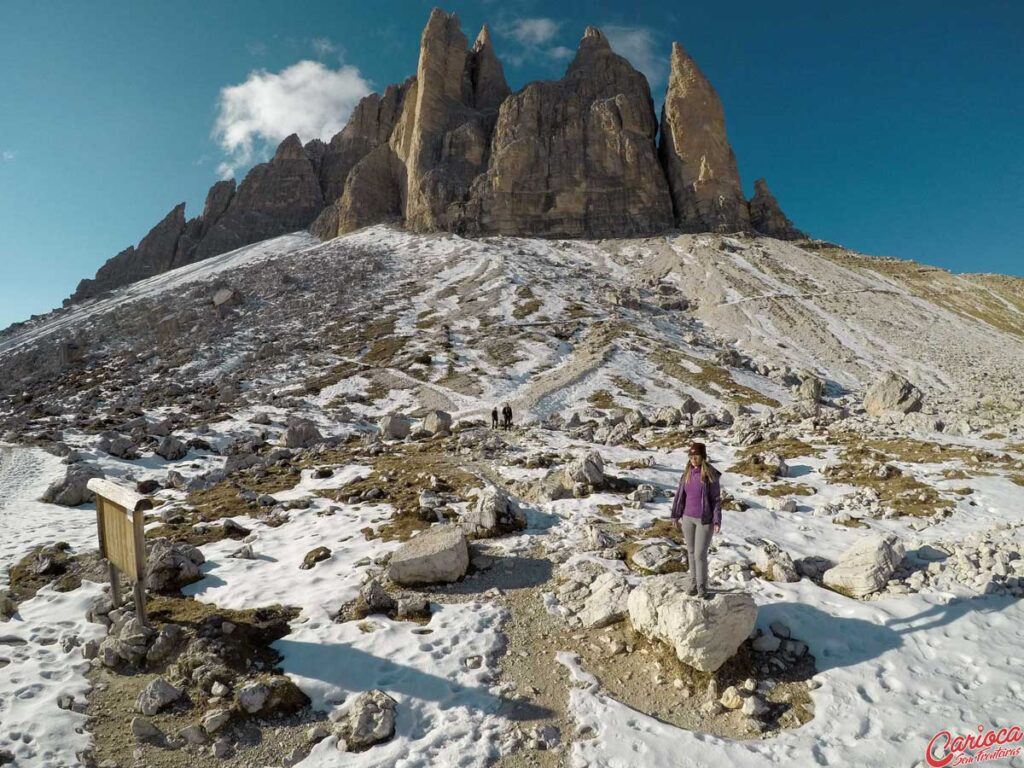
368,720
892,392
588,469
437,423
866,566
171,448
395,426
607,603
704,633
495,513
439,554
301,433
170,566
71,490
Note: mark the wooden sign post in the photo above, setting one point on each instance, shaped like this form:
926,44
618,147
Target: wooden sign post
119,519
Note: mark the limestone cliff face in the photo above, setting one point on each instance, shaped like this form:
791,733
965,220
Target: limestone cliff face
452,149
369,127
766,215
695,151
276,197
154,254
442,138
574,157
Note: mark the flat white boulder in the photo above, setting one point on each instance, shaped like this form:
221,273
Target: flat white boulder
866,566
607,603
704,633
439,554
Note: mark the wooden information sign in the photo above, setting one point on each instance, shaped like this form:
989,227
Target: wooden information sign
120,514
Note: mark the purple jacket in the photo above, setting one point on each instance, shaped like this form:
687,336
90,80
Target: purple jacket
711,498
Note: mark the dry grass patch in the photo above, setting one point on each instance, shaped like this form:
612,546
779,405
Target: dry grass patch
709,377
401,475
630,387
778,490
601,398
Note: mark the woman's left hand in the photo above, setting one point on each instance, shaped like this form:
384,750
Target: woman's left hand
718,529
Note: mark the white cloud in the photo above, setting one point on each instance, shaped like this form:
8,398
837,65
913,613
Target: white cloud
639,46
323,46
561,52
8,155
307,98
533,32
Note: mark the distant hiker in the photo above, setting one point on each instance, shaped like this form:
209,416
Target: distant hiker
494,417
697,510
506,416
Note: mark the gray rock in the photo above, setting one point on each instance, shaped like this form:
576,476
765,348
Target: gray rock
395,426
171,448
495,513
301,433
156,696
439,554
368,720
70,490
704,633
866,566
171,566
892,392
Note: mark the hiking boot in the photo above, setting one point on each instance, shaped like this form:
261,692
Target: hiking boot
692,591
703,593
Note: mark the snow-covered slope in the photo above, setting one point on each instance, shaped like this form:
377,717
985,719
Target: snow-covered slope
592,344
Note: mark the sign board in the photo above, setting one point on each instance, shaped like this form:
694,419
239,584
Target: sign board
120,514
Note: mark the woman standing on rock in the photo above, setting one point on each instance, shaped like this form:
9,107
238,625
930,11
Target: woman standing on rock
697,509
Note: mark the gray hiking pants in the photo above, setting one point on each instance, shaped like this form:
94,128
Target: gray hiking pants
698,539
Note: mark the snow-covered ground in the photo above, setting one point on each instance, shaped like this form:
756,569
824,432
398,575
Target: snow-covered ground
892,671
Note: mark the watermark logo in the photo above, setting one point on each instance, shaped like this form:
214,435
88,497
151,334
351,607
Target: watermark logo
946,749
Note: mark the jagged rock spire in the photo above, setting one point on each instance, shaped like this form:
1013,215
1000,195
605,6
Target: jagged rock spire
486,73
766,215
695,152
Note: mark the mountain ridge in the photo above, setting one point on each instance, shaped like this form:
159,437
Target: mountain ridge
452,148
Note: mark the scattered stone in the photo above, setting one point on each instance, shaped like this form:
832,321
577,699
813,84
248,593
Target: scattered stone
438,554
866,566
172,449
892,392
144,730
170,566
156,696
301,433
315,556
368,720
495,513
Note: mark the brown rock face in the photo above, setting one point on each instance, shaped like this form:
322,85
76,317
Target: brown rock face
575,157
154,254
276,197
452,149
766,215
699,163
369,127
442,138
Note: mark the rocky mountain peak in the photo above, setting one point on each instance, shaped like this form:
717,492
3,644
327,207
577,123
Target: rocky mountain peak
486,73
453,149
695,151
766,215
290,149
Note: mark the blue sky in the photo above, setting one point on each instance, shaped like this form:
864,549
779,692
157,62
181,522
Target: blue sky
890,127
